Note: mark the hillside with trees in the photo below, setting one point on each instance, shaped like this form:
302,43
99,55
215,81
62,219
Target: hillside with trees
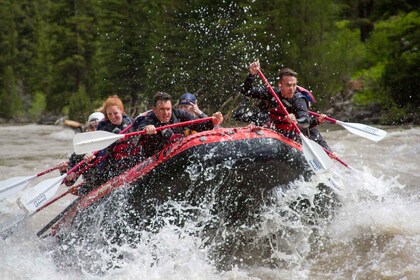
63,58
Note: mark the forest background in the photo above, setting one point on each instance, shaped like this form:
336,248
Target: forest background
63,58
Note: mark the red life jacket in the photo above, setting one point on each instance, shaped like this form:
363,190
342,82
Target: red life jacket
277,116
125,149
278,119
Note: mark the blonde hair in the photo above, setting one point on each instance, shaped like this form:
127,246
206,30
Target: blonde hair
112,100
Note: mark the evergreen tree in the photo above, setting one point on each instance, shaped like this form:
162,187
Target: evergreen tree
80,106
9,98
72,35
123,57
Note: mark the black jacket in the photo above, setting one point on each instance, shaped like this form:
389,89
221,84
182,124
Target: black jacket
106,125
297,105
152,143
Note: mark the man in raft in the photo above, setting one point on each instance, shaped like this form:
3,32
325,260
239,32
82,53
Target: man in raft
163,114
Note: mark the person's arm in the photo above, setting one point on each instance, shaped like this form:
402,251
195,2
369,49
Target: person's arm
254,92
72,177
301,112
197,111
183,116
315,121
247,88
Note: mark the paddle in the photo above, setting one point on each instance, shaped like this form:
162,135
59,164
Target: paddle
98,140
36,199
368,132
317,158
13,185
45,190
14,221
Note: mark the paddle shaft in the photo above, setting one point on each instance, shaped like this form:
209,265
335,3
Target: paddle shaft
336,158
15,184
328,152
170,126
52,201
48,170
326,117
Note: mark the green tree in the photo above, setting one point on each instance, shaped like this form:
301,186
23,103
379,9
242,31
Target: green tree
125,32
392,67
9,98
72,33
38,106
80,105
202,51
11,103
401,75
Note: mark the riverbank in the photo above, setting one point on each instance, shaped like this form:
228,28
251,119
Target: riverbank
342,109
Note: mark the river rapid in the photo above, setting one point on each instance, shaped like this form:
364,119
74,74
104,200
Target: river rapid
375,234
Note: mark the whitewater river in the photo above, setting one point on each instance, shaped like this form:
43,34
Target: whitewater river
374,235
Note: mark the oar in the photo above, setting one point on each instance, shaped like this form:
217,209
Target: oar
14,221
368,132
318,160
98,140
36,199
45,190
13,185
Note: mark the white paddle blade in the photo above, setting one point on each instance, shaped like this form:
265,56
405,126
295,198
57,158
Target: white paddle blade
41,193
94,141
13,185
368,132
316,156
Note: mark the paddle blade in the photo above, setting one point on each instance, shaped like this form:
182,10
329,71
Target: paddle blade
41,193
368,132
13,185
94,141
316,156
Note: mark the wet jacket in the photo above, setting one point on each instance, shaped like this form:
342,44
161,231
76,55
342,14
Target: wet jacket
120,156
107,125
271,115
152,143
90,175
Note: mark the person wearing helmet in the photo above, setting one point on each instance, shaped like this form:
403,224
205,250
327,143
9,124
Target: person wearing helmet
93,121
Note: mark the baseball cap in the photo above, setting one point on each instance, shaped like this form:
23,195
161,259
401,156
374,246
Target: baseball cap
187,98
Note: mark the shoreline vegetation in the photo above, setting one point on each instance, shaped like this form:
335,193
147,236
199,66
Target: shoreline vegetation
359,58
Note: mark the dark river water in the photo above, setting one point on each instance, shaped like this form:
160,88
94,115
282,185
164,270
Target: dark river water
374,235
